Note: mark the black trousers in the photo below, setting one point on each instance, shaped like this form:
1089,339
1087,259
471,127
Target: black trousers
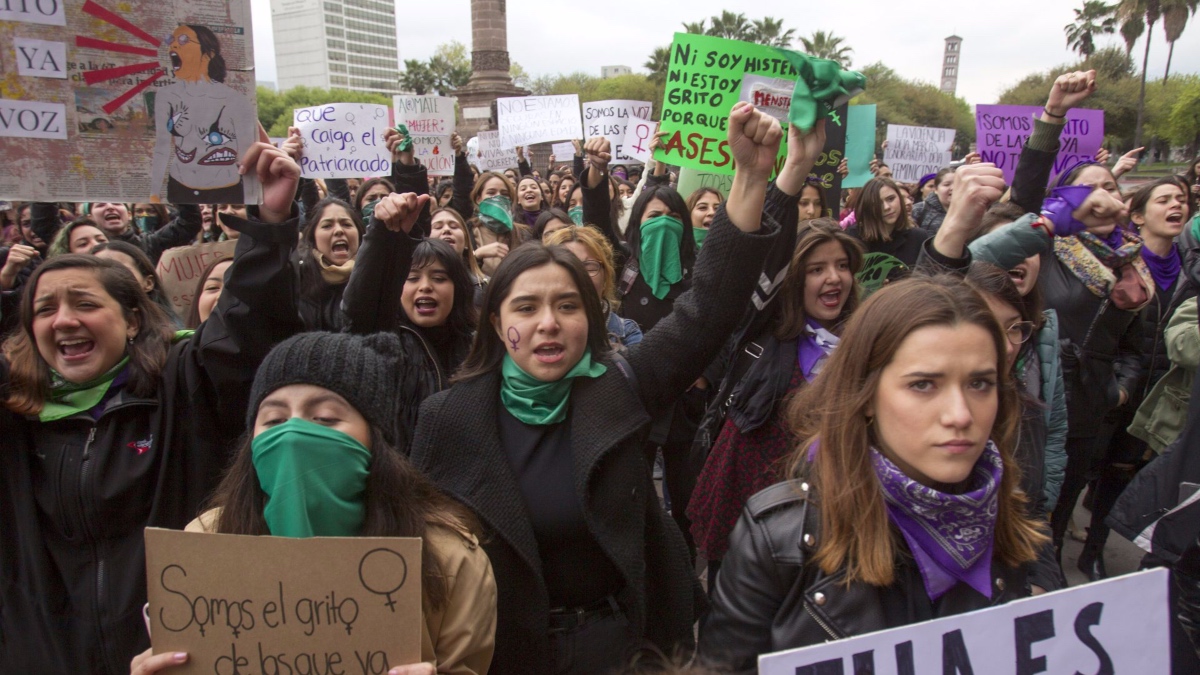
1082,454
604,644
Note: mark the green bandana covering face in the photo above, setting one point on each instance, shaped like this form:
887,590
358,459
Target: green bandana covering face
68,398
659,258
406,145
368,209
576,214
314,478
700,234
821,87
496,214
146,224
535,402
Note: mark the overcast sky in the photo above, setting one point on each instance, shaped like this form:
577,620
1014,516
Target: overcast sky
1002,41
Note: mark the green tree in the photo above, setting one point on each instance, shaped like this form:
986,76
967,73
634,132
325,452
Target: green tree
275,108
902,101
658,63
448,69
730,26
769,31
519,76
417,77
1095,19
1140,16
1175,17
1184,119
825,45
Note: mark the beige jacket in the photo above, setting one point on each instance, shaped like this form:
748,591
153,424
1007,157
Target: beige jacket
459,638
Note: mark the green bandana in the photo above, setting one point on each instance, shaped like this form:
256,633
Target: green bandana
1196,227
658,259
700,234
496,214
576,214
406,145
821,87
368,209
68,398
535,402
314,478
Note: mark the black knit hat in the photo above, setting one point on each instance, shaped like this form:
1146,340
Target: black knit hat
361,369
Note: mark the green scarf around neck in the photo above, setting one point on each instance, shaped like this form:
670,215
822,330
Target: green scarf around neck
539,403
68,398
658,258
315,479
700,234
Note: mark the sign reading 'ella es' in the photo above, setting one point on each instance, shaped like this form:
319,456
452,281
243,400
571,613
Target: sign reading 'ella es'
272,605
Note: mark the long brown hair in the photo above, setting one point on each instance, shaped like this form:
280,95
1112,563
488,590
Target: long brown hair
869,212
29,377
399,502
831,415
468,254
814,233
509,188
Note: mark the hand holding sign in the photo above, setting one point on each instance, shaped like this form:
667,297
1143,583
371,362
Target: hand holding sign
278,173
399,212
456,142
802,153
639,139
394,141
1068,91
294,144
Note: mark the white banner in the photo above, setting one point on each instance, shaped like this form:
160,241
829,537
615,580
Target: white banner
525,120
913,152
343,140
491,156
1114,626
611,120
430,121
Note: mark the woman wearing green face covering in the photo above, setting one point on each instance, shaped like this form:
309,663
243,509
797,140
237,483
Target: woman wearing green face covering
542,437
321,461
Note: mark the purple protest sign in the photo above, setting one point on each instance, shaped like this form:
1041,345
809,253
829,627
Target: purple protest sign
1001,132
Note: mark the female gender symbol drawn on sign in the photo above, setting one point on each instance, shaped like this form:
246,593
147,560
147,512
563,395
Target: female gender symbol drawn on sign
379,570
642,131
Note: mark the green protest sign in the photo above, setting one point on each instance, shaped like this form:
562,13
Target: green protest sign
860,144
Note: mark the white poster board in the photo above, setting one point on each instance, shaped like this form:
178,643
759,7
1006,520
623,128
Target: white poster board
343,140
1115,626
491,156
611,120
525,120
913,152
430,121
638,134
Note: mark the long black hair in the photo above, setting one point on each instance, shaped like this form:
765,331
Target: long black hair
675,204
312,284
210,46
463,316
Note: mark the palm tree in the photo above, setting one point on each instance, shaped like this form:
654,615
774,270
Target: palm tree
1096,18
1140,15
695,27
658,63
827,46
729,25
1175,17
769,31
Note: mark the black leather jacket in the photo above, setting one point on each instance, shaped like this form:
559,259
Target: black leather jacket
768,599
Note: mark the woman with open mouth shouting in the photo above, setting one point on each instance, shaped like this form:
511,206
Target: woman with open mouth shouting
543,434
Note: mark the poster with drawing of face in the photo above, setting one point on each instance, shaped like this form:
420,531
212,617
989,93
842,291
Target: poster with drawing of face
134,101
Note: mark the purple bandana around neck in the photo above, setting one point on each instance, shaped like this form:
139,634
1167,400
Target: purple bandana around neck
814,344
1164,269
950,535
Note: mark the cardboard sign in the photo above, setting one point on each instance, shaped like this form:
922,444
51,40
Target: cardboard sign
824,172
1001,132
913,152
179,270
860,144
343,140
107,101
491,156
638,134
771,95
562,151
273,605
1115,626
611,119
430,121
691,180
525,120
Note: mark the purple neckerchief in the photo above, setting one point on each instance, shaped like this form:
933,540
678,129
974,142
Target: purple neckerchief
814,344
1164,269
950,535
1061,204
113,389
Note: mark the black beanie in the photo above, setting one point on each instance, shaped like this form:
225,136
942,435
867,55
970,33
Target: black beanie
361,369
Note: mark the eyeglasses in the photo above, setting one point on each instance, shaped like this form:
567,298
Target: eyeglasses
1019,332
181,40
593,267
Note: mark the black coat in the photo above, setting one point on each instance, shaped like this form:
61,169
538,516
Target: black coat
769,596
75,494
181,231
458,446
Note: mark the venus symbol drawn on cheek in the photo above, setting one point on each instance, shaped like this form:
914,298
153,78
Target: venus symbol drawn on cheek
514,336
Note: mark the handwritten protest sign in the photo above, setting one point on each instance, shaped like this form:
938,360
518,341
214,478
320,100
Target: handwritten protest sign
824,172
860,144
430,121
491,156
1114,626
913,152
704,79
691,180
273,605
102,101
638,134
563,151
525,120
1001,132
343,140
179,270
611,119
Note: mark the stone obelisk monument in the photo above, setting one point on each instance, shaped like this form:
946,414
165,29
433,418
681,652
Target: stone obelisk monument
489,68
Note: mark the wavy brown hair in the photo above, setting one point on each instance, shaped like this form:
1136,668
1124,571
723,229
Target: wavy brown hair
29,376
857,536
868,215
509,188
814,233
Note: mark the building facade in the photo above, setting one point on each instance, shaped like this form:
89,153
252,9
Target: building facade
951,61
614,71
343,44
